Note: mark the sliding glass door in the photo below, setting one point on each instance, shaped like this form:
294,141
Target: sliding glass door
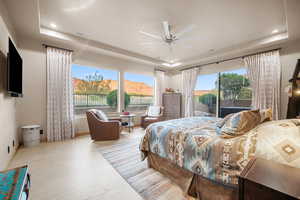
235,92
223,93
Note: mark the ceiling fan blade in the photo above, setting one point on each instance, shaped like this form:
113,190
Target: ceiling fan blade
186,30
166,27
151,35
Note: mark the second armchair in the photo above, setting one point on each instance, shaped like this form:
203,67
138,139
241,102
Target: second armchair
153,114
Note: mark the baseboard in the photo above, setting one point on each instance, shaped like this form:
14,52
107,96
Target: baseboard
82,133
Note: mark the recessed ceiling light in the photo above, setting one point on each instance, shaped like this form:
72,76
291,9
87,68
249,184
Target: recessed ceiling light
176,64
166,64
275,31
171,65
53,25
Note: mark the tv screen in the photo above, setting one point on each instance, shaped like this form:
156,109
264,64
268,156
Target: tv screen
15,71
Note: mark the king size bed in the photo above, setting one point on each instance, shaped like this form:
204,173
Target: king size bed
197,155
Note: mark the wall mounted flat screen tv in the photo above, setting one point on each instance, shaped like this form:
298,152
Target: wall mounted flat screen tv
14,71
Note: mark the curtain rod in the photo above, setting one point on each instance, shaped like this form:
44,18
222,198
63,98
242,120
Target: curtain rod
46,45
234,58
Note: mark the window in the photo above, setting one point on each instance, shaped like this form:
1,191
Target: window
138,92
235,92
225,92
94,88
205,95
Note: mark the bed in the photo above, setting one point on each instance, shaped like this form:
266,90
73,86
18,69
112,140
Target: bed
205,164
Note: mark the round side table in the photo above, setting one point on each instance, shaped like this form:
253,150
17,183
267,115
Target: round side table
130,119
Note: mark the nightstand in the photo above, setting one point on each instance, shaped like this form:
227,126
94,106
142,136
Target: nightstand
268,180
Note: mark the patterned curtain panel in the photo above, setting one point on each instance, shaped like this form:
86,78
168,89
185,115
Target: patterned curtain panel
189,79
159,87
264,73
59,95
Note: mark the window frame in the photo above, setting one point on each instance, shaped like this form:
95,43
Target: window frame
120,85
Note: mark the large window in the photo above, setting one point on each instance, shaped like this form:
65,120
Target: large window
235,92
205,95
225,92
138,92
94,88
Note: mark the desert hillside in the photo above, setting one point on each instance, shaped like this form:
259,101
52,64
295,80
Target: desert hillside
131,87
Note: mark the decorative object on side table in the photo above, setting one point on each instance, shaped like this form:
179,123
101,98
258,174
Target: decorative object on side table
15,184
269,180
129,119
170,90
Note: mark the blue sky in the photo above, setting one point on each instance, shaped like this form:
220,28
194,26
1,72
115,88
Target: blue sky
80,71
207,82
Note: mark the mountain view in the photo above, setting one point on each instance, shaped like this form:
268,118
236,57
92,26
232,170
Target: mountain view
131,87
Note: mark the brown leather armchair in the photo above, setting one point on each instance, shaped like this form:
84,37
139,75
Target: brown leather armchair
150,118
101,129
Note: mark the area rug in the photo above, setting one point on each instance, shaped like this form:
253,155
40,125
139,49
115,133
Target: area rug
125,158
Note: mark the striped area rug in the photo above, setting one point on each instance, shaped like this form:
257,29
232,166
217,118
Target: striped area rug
124,156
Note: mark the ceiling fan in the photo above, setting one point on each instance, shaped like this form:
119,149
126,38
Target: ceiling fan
169,37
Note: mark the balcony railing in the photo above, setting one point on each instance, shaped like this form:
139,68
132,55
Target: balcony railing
100,100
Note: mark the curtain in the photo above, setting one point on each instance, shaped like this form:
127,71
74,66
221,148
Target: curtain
189,79
159,87
59,95
264,73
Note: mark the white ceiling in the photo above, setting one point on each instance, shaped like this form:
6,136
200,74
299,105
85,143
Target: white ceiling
219,24
222,28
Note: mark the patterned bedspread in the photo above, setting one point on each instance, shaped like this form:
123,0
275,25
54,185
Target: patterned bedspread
193,144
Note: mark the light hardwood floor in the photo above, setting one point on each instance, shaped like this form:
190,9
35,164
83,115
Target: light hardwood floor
73,170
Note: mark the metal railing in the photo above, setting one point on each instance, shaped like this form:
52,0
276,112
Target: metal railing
92,100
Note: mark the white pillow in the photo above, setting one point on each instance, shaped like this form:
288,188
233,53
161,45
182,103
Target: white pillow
102,116
153,111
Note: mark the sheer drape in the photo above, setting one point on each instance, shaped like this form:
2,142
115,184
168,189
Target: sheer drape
264,74
189,79
59,95
159,87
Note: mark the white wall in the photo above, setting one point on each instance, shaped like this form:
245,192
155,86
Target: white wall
289,56
31,108
8,124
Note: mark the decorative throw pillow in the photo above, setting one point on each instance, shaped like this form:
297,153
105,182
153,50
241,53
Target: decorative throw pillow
153,111
240,123
101,115
221,123
266,115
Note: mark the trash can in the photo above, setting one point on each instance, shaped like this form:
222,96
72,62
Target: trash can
31,135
